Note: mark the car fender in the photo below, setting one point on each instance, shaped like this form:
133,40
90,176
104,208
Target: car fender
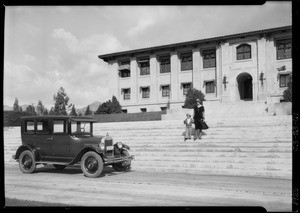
87,148
126,147
22,148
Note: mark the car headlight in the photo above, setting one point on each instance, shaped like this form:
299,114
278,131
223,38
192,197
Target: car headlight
119,145
101,145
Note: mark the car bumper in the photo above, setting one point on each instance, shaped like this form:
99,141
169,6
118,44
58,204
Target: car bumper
117,160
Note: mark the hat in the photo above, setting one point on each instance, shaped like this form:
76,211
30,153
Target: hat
188,114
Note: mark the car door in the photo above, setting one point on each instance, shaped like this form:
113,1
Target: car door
60,141
36,133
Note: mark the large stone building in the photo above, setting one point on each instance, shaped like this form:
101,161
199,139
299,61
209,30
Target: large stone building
248,66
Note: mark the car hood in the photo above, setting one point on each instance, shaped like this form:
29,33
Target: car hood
89,139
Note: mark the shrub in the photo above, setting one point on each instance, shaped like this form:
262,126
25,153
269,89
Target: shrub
191,97
287,94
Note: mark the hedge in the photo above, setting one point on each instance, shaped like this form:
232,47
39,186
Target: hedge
12,118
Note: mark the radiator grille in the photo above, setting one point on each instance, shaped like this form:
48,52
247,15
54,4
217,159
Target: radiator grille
108,142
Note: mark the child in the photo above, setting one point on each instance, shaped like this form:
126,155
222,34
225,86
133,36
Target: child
188,126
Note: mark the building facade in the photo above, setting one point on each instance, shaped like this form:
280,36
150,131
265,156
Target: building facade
248,66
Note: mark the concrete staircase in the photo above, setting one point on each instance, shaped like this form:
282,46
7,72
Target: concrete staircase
215,109
246,144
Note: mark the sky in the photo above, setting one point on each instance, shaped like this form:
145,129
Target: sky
48,47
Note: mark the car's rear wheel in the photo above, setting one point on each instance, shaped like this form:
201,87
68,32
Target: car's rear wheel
91,164
27,162
57,166
125,165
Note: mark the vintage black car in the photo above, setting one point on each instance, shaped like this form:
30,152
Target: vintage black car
68,140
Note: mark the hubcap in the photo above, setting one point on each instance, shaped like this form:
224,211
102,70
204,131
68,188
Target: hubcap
91,165
27,162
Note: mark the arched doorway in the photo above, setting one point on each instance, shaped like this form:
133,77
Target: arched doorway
244,81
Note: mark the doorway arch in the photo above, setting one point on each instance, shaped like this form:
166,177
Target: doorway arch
245,86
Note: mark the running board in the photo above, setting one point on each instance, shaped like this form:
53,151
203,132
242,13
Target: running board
52,162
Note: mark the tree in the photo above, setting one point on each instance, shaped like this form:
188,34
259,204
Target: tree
51,112
61,100
103,108
287,94
73,111
88,111
109,107
30,109
115,105
40,108
45,112
16,106
191,97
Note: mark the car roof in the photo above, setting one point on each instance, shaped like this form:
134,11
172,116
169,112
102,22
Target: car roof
65,117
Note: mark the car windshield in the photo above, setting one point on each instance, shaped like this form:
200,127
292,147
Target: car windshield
81,127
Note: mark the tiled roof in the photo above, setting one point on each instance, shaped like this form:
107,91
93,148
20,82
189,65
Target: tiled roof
110,56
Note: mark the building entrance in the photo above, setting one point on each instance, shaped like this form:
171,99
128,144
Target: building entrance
245,87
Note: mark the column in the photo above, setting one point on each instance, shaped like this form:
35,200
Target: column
174,76
153,78
114,76
225,72
197,84
134,80
218,72
261,67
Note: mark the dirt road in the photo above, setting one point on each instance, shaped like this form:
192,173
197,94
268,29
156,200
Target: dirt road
135,188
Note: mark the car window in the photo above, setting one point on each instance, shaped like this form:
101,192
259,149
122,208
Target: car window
29,127
59,126
42,127
80,127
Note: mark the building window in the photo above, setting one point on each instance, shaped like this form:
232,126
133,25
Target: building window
126,94
284,49
164,109
143,109
124,73
284,79
145,92
165,91
144,66
124,69
165,65
186,62
243,51
186,87
124,110
209,58
209,87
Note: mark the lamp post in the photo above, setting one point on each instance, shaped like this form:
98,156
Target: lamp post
261,78
225,81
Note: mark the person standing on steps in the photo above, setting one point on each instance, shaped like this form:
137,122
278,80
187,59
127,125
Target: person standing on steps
188,126
198,118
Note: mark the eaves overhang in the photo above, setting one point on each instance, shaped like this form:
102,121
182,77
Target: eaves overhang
194,43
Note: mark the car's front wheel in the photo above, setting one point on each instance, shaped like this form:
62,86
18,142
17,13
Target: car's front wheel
125,165
27,162
91,164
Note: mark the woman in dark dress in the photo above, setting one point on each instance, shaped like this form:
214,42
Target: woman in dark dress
198,117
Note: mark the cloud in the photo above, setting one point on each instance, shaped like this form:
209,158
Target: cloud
142,24
75,63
